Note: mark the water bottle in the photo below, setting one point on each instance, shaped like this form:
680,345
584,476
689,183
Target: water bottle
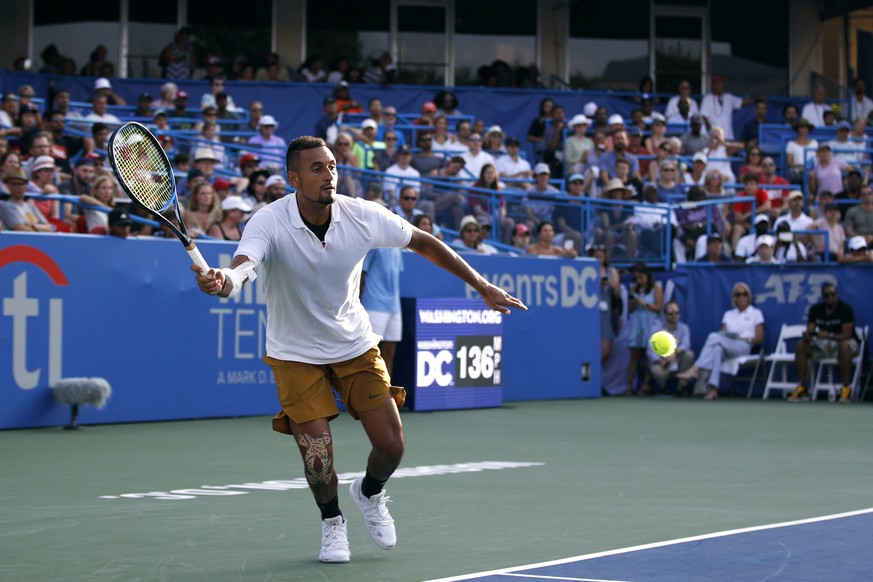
832,395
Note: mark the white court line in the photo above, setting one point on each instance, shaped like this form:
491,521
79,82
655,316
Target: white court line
512,571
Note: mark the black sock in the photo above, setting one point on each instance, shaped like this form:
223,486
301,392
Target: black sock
330,509
371,486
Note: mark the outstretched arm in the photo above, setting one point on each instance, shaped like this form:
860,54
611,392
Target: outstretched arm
441,255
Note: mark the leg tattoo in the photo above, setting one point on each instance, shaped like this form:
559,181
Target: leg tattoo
315,454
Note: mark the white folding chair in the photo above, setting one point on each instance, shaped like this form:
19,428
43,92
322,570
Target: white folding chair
827,365
732,366
781,358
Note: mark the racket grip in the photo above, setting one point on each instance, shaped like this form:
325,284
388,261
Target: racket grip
197,258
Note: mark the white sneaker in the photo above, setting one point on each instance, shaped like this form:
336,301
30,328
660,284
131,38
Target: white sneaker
334,540
379,521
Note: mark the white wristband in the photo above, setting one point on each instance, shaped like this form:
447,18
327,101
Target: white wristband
239,275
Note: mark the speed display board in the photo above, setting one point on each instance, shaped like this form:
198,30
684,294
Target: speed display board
458,353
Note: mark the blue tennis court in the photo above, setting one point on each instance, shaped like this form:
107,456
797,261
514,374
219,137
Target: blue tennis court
834,547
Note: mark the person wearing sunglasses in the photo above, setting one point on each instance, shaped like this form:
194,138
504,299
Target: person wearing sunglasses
742,327
661,368
830,333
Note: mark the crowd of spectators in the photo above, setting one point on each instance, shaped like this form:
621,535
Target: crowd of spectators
588,182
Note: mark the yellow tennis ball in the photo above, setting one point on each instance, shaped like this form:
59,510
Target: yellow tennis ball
663,343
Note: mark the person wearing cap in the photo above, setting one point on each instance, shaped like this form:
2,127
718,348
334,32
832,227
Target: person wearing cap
672,107
469,240
717,108
859,218
119,223
659,134
850,151
827,174
796,156
205,160
18,212
857,251
748,244
714,250
428,115
795,217
614,223
102,86
273,145
99,112
180,118
538,205
764,248
42,181
310,249
366,144
788,246
143,106
399,174
521,237
234,210
568,216
577,145
493,144
830,333
696,175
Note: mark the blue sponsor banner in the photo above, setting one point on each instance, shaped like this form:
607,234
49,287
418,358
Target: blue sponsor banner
129,311
553,349
784,293
458,353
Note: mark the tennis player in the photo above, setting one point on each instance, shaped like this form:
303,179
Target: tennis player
311,247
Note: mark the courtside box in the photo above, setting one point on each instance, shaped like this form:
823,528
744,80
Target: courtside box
451,355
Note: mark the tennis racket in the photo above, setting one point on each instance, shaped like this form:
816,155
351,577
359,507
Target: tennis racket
145,174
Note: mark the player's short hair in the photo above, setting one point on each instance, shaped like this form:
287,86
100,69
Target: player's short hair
298,145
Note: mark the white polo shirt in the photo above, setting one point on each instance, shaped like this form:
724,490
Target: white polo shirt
314,314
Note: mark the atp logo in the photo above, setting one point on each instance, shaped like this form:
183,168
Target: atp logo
23,311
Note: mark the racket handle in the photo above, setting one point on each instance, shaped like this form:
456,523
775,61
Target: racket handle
197,258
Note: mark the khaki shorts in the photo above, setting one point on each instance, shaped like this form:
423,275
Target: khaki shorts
306,391
827,348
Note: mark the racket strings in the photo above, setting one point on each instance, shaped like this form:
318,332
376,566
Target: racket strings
142,165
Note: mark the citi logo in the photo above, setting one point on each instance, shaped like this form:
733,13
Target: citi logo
24,310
